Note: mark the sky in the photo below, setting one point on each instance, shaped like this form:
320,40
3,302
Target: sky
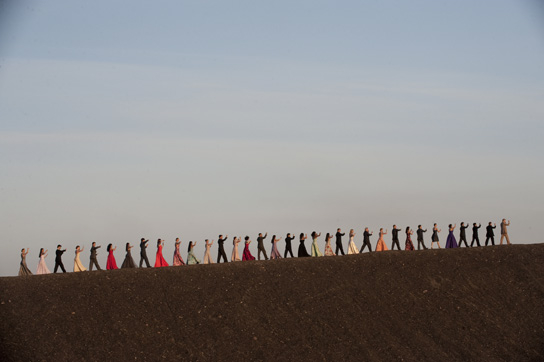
190,119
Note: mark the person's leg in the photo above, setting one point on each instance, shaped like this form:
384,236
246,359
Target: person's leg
91,265
56,267
147,261
62,267
224,255
493,240
507,239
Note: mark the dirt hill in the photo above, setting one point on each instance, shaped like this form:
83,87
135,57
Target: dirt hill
484,304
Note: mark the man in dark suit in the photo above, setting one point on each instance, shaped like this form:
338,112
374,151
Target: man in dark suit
260,246
366,241
58,259
462,234
143,253
475,236
395,234
221,249
339,247
288,249
420,241
93,260
490,234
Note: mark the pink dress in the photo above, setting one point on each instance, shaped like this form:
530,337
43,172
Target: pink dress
111,264
159,260
247,254
178,260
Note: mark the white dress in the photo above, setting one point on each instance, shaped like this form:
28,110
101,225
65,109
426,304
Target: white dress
78,267
235,255
42,267
352,249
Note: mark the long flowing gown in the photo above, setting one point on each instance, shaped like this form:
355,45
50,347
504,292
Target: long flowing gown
159,260
178,260
352,248
450,241
208,255
191,258
274,253
42,267
78,267
328,249
380,246
128,262
247,254
111,263
302,252
23,269
315,248
235,255
409,245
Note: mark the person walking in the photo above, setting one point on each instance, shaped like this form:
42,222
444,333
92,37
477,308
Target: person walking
504,231
434,237
78,266
490,234
339,247
235,256
288,246
93,261
58,259
420,241
366,240
475,237
260,246
221,249
143,253
207,253
463,235
395,237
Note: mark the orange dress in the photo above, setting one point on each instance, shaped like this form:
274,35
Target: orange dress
380,246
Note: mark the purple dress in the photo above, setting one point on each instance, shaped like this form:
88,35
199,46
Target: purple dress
450,241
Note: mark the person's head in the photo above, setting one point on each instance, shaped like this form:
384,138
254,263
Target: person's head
158,242
260,234
450,226
462,224
474,224
301,235
59,246
77,247
381,229
503,220
338,230
177,239
351,231
313,234
221,236
94,243
273,238
41,252
190,246
394,226
434,224
142,239
246,238
23,249
126,246
366,229
419,226
328,236
288,235
109,247
407,228
490,223
206,241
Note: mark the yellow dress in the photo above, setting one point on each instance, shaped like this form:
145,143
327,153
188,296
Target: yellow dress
78,267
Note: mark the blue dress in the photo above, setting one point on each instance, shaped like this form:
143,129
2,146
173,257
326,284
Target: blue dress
450,241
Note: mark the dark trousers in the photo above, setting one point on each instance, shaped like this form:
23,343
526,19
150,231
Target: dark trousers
260,249
94,262
57,264
462,240
477,239
395,242
365,244
221,253
143,257
288,250
339,248
419,243
492,238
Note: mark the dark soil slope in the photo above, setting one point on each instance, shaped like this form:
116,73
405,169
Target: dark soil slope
482,304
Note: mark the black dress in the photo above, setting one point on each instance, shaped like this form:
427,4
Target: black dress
128,262
302,252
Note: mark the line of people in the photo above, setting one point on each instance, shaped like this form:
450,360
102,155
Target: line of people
128,262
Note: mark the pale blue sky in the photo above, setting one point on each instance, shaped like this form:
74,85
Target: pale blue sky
122,119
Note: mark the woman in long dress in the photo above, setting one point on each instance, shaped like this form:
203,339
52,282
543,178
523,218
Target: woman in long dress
274,253
235,255
128,262
78,267
42,267
450,241
159,259
409,245
178,260
191,258
23,269
328,248
111,263
302,252
352,248
315,247
434,237
207,253
247,254
380,246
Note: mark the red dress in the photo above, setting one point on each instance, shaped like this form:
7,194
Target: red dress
159,261
409,244
247,254
111,263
